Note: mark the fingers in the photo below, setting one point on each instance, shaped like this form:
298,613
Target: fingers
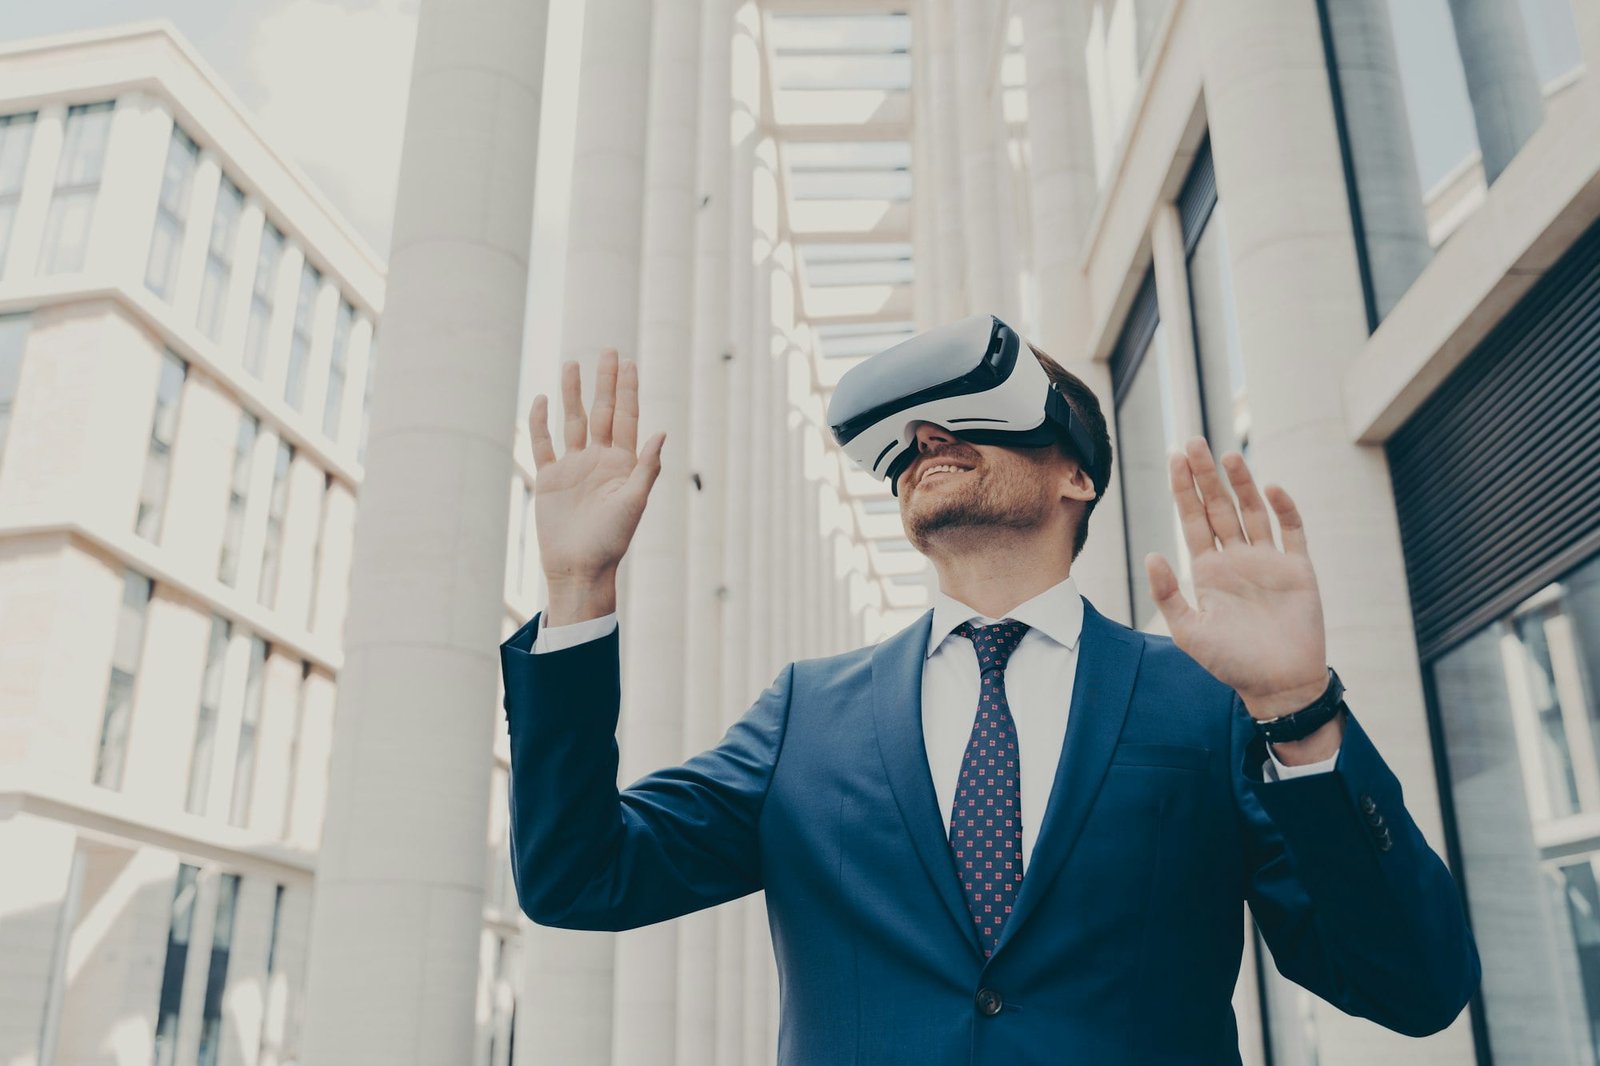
1257,522
625,430
539,432
1294,530
605,398
1197,535
574,423
1165,592
1220,510
648,468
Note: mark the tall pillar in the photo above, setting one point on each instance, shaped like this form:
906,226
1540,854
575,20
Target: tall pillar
1301,322
945,181
393,967
745,132
708,448
924,201
975,33
606,217
570,976
1061,166
1507,105
1392,216
645,1017
1065,193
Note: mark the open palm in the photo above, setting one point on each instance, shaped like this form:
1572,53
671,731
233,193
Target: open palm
1257,620
588,502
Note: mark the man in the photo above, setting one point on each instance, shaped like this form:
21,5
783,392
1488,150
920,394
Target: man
1016,831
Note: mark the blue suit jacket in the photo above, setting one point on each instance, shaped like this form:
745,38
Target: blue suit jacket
1125,941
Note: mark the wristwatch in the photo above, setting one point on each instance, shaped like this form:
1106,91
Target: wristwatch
1306,720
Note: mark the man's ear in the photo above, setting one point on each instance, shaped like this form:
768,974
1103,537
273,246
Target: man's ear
1077,484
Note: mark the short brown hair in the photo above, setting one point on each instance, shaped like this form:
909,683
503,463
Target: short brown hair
1085,407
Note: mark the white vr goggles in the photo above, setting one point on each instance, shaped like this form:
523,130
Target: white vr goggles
968,377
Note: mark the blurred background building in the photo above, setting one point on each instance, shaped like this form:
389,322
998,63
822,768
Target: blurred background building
252,762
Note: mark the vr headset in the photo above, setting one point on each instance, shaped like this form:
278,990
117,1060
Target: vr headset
976,378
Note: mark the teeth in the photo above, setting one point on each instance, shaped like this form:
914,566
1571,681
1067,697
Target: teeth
943,467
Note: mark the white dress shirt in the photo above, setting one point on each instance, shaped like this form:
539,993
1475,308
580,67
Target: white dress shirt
1038,679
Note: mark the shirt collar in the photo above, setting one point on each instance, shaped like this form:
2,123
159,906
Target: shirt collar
1057,613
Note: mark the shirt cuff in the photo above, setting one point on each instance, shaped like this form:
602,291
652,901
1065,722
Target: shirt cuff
1274,769
560,638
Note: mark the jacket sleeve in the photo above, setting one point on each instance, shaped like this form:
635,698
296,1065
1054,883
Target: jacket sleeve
1354,904
585,855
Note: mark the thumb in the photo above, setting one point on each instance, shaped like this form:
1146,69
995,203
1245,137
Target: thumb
647,469
1165,592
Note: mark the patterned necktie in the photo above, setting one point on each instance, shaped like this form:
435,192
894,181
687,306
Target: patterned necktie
986,817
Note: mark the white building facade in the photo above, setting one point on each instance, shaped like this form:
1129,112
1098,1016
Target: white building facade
1355,239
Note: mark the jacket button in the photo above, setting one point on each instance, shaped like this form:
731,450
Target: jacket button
989,1003
1375,820
1368,805
1385,841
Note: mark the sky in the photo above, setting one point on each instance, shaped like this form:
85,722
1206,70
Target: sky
289,61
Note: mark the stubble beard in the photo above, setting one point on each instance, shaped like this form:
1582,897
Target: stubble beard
992,501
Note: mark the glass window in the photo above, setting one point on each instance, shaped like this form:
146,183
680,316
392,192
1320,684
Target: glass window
1217,348
180,924
83,150
16,135
125,654
316,550
1118,43
217,974
13,339
294,382
1146,434
1518,709
257,330
244,764
238,495
163,434
366,401
172,213
338,368
205,729
219,258
277,504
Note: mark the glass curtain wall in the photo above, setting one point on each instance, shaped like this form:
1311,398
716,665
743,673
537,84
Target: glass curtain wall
1519,710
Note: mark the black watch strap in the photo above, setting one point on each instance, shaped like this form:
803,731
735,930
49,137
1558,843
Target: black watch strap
1308,719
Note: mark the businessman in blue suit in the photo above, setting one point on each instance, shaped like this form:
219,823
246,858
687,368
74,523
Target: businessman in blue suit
1016,831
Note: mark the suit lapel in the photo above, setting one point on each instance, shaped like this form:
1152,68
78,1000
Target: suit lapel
1108,658
897,710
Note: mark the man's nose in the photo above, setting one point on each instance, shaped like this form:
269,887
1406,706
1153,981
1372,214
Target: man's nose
930,436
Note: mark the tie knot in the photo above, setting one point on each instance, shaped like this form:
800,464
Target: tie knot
994,644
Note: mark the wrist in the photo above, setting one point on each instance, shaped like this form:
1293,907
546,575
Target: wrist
579,598
1320,745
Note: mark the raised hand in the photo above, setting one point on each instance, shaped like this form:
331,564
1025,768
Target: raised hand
588,502
1257,620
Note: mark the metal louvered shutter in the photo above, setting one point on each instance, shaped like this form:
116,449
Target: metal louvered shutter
1497,475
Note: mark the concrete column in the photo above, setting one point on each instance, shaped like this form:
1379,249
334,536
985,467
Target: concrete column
606,217
645,1018
196,236
945,181
975,32
1507,104
1301,322
394,949
745,132
1381,153
924,200
1062,166
708,449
